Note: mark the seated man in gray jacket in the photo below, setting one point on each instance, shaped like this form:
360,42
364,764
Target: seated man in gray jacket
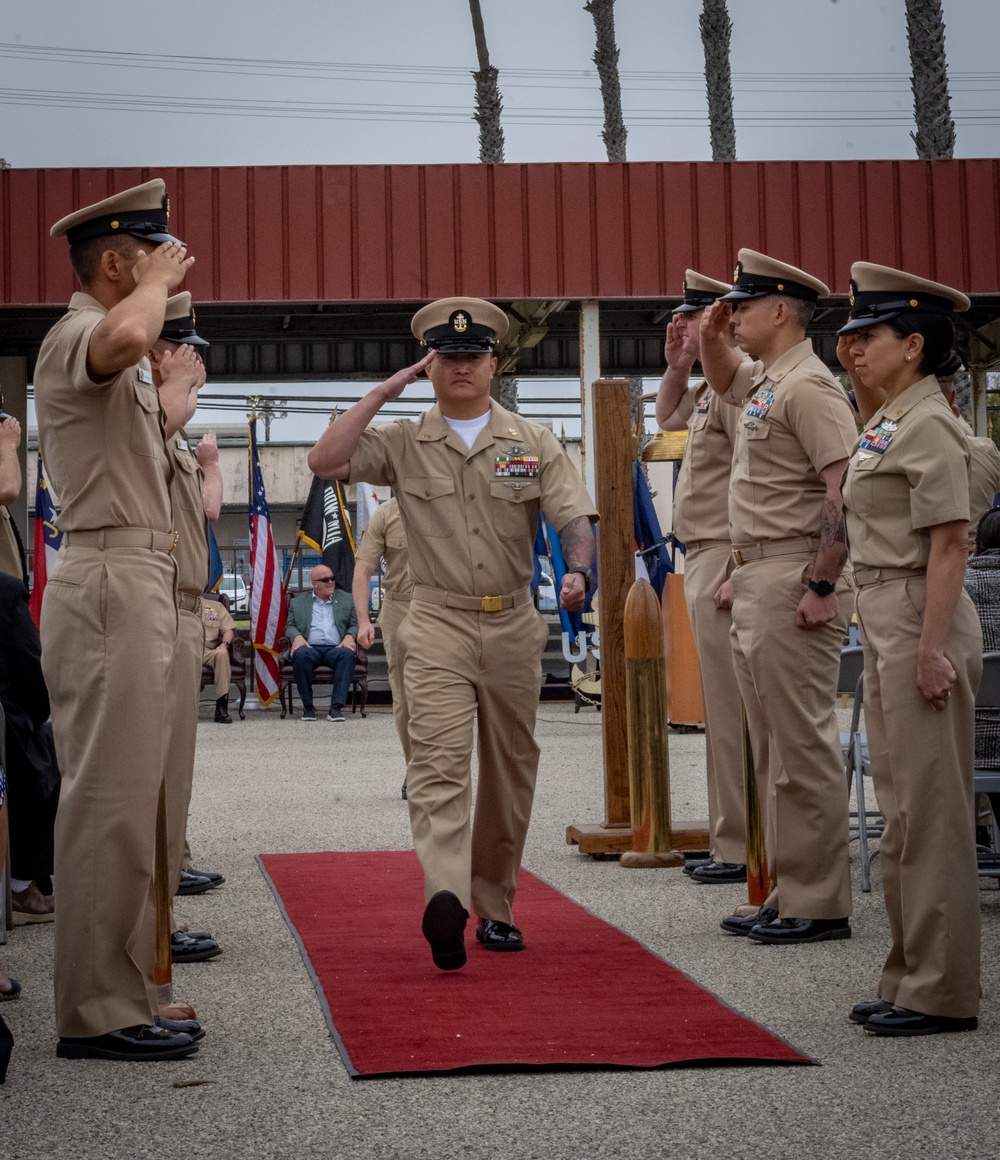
322,626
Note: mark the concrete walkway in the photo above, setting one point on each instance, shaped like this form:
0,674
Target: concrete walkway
280,1090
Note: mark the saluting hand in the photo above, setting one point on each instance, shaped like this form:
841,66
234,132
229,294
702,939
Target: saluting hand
676,350
168,263
715,320
394,386
10,433
207,451
844,356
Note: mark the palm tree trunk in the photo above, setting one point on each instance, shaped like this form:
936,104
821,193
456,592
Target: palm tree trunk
488,103
716,28
935,135
606,58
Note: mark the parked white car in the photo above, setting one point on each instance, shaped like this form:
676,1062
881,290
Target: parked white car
235,588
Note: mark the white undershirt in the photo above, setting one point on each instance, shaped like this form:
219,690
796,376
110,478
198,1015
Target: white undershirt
468,429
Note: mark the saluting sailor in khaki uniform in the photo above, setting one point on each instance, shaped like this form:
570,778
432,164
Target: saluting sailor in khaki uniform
102,440
195,496
470,479
907,499
794,435
701,522
11,559
385,539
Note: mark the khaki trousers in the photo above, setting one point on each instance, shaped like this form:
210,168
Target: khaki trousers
922,761
705,569
788,679
184,694
222,670
390,617
462,669
109,626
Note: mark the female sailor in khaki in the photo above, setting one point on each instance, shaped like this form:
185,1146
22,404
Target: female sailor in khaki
907,500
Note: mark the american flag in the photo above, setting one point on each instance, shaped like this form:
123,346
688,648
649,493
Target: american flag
267,597
48,541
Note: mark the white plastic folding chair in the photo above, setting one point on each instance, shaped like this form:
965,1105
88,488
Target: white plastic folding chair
863,823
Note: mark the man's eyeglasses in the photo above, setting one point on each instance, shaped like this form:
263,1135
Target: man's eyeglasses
323,580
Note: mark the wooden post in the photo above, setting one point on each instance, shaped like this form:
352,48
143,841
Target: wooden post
648,752
614,450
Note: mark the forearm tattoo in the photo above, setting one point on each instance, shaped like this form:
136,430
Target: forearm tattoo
832,535
577,542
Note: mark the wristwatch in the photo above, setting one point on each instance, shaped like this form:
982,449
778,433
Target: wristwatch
822,587
587,577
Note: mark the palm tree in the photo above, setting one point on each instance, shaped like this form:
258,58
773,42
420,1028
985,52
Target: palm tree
488,103
716,28
935,135
606,58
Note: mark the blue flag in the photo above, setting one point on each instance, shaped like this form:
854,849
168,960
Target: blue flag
215,568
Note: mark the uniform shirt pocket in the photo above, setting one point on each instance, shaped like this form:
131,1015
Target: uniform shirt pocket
147,438
430,504
189,490
861,484
516,515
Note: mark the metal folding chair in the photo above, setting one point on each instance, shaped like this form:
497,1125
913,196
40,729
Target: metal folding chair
988,780
863,823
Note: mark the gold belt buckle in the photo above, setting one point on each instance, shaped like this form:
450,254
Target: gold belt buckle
492,604
177,537
738,557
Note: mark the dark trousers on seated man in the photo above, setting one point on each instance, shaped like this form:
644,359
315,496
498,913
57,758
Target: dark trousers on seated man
304,661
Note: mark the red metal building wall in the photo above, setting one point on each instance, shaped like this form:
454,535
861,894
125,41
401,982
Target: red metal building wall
383,233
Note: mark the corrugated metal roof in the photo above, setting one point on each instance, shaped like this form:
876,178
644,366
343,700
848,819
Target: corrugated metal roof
581,230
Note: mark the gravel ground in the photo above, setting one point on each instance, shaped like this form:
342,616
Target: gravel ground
278,1087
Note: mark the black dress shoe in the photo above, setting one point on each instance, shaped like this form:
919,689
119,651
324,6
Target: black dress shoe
193,883
499,936
743,925
694,863
788,931
212,875
403,794
444,928
862,1012
902,1021
142,1042
182,1027
720,872
192,950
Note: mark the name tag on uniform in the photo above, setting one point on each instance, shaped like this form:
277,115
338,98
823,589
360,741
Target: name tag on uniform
760,404
516,467
145,376
875,441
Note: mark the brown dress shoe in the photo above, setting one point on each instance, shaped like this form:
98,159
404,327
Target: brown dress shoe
32,906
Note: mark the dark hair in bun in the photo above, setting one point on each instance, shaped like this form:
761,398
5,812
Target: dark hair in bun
938,332
988,531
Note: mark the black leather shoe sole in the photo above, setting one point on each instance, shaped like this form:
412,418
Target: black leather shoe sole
740,925
145,1048
194,884
862,1012
694,863
899,1022
444,928
819,930
719,872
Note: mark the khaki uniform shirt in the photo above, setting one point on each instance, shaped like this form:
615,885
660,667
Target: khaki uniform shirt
188,504
701,494
216,620
385,539
909,471
984,477
471,516
102,443
796,420
10,557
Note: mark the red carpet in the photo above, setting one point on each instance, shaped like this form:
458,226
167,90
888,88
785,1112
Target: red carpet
581,995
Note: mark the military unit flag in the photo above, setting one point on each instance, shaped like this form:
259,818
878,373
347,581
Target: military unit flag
326,528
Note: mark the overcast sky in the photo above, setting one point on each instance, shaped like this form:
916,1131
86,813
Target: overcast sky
223,82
